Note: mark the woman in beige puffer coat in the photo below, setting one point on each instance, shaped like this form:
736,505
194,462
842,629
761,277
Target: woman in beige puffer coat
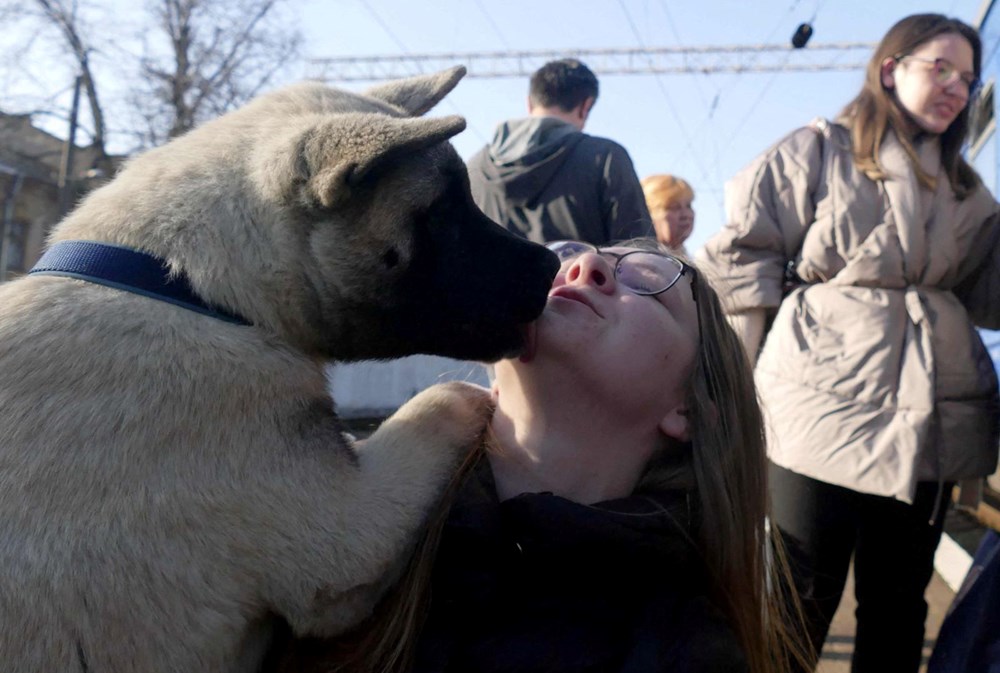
878,391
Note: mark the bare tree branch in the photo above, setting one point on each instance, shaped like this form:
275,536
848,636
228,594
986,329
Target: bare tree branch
221,53
63,15
190,60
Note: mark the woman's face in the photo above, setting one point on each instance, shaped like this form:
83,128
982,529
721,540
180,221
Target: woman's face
597,337
674,223
931,84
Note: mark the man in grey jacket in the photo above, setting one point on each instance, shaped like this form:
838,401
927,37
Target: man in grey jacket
544,179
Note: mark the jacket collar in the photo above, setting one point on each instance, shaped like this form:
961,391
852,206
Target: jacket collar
543,525
911,204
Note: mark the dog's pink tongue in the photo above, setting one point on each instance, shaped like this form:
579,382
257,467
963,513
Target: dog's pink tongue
528,337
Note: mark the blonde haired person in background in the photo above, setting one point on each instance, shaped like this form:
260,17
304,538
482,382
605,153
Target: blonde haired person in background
669,201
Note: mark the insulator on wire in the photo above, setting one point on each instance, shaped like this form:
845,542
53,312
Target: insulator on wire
802,35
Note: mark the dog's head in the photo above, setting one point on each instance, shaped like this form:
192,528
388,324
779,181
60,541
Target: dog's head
341,221
396,256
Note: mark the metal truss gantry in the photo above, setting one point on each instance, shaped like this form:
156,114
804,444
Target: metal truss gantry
627,61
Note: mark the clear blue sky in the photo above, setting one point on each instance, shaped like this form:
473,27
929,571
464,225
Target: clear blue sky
667,123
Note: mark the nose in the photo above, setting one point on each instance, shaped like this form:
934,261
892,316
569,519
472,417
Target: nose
957,88
594,270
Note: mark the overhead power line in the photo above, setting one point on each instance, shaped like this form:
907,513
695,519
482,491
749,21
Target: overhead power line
663,90
627,61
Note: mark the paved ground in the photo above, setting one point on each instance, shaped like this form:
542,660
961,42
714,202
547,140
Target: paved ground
836,657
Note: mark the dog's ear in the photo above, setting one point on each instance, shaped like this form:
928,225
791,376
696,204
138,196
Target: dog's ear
339,153
417,95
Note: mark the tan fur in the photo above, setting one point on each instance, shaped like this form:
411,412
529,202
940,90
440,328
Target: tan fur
171,484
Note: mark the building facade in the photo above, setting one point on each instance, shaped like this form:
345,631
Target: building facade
30,188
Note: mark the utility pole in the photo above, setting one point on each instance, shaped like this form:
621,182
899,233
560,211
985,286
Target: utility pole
67,185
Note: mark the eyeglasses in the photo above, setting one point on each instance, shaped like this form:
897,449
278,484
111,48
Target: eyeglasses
945,73
644,272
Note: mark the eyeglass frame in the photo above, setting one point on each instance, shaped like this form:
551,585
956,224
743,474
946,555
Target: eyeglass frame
685,268
972,87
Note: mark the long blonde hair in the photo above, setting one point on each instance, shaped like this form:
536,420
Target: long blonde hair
750,580
875,110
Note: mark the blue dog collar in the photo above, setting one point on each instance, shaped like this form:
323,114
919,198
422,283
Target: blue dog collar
128,270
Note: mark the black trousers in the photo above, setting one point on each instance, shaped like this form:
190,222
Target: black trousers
893,544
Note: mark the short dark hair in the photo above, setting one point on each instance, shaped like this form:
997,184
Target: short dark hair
564,83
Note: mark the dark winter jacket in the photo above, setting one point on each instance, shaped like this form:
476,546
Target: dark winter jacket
969,640
542,584
544,180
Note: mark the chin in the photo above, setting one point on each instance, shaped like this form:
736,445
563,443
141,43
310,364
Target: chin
935,125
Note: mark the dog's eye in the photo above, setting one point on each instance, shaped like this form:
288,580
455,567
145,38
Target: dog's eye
390,258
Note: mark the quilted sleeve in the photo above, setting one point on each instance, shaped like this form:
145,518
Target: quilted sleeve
769,207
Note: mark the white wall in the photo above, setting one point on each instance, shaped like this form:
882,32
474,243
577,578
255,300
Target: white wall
377,388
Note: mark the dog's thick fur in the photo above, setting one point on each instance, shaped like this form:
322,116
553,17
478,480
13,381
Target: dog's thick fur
171,484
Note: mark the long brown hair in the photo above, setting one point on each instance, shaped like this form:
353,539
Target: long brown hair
726,461
875,108
744,555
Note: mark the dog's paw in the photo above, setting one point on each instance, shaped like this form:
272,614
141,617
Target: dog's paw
454,412
428,436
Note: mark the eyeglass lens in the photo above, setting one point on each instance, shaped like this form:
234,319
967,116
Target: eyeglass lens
945,73
646,272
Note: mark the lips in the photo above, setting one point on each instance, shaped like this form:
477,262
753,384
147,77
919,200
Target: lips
946,109
571,294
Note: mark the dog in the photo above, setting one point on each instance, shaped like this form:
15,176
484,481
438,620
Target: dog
173,475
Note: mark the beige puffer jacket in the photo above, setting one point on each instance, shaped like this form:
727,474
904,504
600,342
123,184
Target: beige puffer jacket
872,376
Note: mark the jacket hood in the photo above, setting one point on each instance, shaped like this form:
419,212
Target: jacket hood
525,154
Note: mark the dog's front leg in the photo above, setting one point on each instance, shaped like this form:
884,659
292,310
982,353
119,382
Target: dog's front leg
401,472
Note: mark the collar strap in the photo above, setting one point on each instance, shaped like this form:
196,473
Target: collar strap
126,269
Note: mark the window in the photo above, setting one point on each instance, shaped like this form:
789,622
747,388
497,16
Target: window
982,113
982,137
14,245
